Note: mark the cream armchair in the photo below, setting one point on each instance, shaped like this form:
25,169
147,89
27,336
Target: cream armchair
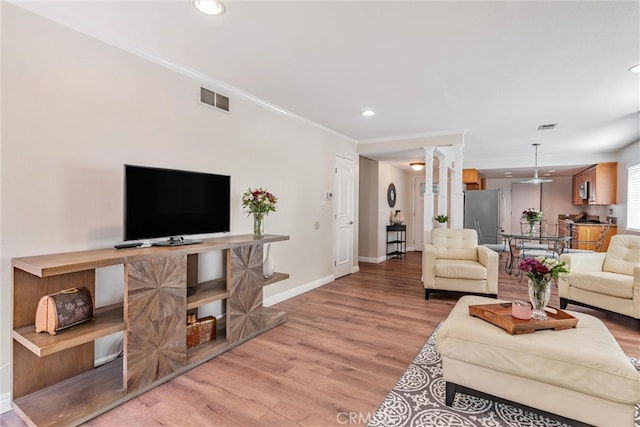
453,261
608,280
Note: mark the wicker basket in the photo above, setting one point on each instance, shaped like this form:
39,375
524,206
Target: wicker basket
201,331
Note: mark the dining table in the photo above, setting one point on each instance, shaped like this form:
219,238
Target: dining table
518,243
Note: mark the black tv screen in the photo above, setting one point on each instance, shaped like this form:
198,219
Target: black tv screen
171,203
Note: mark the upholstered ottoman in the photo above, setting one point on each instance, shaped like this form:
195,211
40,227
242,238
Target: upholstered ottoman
581,373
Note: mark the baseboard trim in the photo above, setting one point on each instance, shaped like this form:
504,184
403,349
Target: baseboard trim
355,269
298,290
372,260
5,403
106,359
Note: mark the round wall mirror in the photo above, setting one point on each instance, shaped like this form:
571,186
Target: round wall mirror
391,195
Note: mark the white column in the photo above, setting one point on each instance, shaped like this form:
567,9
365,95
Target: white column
457,195
428,194
443,192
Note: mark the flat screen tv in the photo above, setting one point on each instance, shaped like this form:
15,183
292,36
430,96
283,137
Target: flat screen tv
168,203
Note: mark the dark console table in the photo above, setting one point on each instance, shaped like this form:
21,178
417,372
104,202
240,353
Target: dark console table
396,240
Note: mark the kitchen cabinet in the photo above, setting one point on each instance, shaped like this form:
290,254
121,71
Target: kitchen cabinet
575,192
471,178
585,235
603,184
605,179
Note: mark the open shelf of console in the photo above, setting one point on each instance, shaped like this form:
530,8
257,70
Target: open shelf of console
208,292
66,403
205,351
276,277
108,320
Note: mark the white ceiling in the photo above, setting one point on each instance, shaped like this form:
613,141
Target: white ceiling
493,70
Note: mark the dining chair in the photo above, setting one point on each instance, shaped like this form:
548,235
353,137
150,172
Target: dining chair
498,247
602,236
530,243
528,249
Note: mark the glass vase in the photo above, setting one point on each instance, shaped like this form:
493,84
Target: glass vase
532,228
539,294
258,225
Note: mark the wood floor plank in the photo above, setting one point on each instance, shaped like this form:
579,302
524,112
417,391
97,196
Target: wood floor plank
342,349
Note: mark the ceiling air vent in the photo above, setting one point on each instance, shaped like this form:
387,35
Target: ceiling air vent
548,126
214,99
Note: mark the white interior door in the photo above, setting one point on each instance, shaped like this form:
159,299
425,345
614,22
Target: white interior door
418,212
523,197
344,216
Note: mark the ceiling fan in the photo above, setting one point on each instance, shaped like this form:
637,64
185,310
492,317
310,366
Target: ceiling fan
535,179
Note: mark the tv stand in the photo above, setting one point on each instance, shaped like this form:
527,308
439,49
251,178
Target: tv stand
54,381
176,241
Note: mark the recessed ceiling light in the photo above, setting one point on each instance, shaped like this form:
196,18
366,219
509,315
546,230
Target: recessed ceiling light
368,113
635,68
551,170
209,7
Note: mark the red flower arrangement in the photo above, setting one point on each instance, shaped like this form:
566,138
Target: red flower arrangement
259,201
542,268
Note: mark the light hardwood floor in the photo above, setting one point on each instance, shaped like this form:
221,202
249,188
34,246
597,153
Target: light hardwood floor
342,349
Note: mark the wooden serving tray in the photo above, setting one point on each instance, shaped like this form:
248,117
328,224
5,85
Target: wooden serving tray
500,315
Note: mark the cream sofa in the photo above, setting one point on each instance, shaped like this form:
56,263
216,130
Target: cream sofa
608,280
453,261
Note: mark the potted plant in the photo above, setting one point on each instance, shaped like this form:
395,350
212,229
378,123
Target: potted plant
441,220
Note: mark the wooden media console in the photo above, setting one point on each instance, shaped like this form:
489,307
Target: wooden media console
54,378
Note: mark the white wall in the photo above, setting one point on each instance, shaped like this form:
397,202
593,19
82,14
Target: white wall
556,195
375,213
401,179
368,214
75,110
628,156
556,199
5,293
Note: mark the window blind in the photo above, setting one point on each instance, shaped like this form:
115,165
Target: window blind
633,198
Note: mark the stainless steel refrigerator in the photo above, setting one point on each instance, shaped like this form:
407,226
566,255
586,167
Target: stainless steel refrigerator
488,206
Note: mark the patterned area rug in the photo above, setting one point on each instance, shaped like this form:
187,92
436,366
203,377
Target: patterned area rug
417,399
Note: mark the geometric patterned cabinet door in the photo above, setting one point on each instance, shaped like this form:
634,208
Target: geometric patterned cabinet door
245,283
155,309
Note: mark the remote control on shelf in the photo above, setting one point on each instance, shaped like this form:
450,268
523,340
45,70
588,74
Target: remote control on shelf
127,245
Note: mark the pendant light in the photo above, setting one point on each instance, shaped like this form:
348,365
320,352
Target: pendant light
535,179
